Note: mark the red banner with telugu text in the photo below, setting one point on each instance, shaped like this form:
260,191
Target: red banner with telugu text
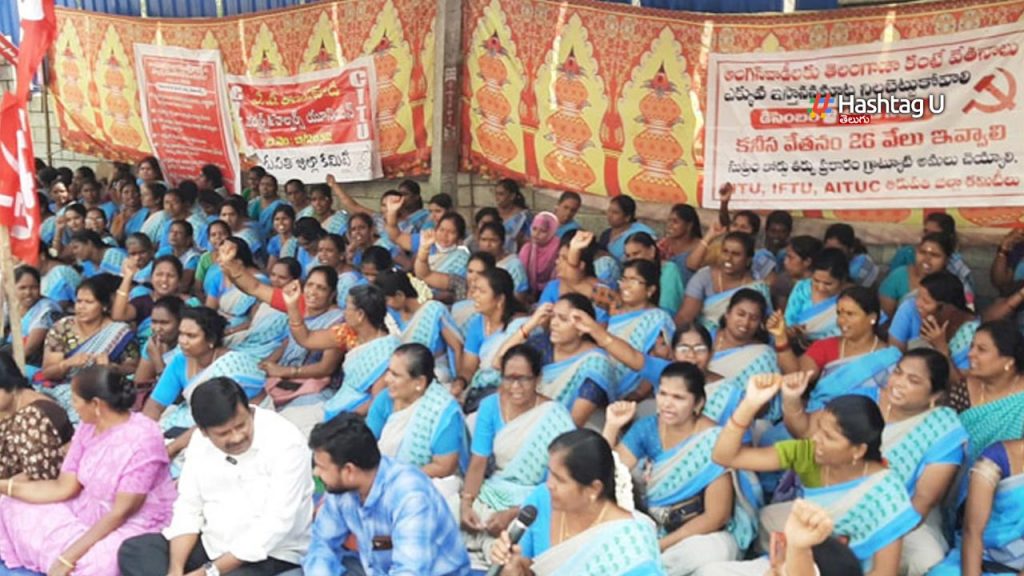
185,111
311,125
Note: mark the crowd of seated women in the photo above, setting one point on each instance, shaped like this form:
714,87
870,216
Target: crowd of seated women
693,400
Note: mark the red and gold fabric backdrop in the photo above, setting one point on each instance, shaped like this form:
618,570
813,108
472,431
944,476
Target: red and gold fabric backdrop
97,94
609,99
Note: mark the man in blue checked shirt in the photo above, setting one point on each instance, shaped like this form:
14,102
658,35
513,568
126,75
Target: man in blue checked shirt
400,522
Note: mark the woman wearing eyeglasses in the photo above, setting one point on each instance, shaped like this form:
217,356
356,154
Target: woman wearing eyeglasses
637,319
514,427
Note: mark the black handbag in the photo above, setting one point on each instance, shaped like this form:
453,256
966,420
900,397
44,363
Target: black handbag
475,396
675,516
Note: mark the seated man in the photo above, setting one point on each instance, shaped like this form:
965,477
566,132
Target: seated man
400,522
245,496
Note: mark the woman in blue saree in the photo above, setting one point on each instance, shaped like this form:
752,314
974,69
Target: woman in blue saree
902,283
200,356
261,209
937,317
418,422
990,398
840,468
858,362
59,281
428,323
178,205
585,522
993,535
363,336
923,444
94,256
682,234
464,307
283,221
88,337
225,297
153,201
515,214
671,286
499,317
811,306
741,343
622,223
511,434
38,315
639,321
441,260
683,486
491,239
132,215
165,280
940,223
321,203
575,273
233,213
863,270
710,289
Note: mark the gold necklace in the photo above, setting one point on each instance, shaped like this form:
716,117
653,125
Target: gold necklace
563,534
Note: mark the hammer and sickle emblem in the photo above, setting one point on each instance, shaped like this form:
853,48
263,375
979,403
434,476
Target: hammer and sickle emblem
1003,100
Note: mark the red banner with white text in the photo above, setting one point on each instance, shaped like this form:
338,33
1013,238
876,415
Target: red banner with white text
19,209
311,125
185,111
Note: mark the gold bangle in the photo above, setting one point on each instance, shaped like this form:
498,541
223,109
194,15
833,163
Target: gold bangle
122,292
66,562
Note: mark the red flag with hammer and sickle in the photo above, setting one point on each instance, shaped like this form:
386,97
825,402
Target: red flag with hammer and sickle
19,206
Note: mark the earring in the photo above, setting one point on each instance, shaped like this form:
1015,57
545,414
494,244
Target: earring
873,322
593,497
931,404
1006,368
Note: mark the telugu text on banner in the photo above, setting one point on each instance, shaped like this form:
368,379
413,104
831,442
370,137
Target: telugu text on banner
312,125
96,90
185,111
908,124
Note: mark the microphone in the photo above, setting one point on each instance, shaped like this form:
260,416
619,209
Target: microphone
515,532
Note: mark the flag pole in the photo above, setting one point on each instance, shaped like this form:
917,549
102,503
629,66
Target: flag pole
10,293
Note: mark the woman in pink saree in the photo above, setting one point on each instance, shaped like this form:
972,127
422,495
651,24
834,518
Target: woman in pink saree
114,484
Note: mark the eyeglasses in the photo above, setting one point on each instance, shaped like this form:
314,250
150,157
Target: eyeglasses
522,381
697,349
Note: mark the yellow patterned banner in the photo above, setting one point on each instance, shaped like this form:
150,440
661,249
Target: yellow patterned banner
609,99
97,92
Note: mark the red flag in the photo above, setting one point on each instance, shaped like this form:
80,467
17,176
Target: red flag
19,208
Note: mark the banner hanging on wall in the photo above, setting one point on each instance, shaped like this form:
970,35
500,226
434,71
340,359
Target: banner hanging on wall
96,88
311,125
608,99
185,111
907,124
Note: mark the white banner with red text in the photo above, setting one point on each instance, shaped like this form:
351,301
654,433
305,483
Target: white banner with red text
902,124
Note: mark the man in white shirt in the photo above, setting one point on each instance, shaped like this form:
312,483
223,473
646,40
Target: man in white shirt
245,496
